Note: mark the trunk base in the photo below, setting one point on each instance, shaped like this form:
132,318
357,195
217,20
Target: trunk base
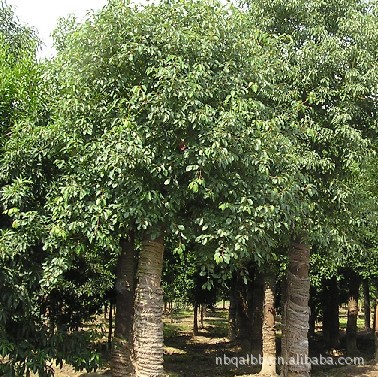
268,330
148,324
297,313
121,361
268,367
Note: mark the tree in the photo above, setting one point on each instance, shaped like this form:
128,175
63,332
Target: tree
135,133
21,38
33,327
333,82
180,121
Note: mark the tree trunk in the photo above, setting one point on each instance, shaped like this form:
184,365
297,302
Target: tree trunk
148,324
330,321
351,329
110,333
366,304
268,331
297,313
203,314
243,320
256,304
171,312
122,355
376,330
195,319
106,310
312,319
232,325
283,302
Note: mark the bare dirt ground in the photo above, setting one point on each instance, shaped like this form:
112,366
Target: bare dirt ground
188,356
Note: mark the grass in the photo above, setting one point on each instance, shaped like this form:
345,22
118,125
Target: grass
343,318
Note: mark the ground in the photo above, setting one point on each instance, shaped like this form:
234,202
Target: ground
188,356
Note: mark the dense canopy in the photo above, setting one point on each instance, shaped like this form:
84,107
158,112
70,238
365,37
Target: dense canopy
235,135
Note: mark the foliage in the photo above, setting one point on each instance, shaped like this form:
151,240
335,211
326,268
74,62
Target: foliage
20,38
29,273
231,128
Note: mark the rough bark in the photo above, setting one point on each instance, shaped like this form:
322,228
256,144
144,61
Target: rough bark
255,304
148,325
297,313
268,330
330,305
232,326
122,356
351,329
367,313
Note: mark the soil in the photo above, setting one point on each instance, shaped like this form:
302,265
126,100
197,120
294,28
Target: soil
188,356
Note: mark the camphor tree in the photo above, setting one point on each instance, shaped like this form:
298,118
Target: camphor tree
21,332
38,306
153,112
333,54
184,118
163,122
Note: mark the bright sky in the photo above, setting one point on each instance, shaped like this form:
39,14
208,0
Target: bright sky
43,15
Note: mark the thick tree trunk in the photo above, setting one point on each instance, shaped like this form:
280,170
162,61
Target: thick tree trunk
366,304
148,324
232,325
122,355
297,313
256,304
330,305
351,329
195,319
268,331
